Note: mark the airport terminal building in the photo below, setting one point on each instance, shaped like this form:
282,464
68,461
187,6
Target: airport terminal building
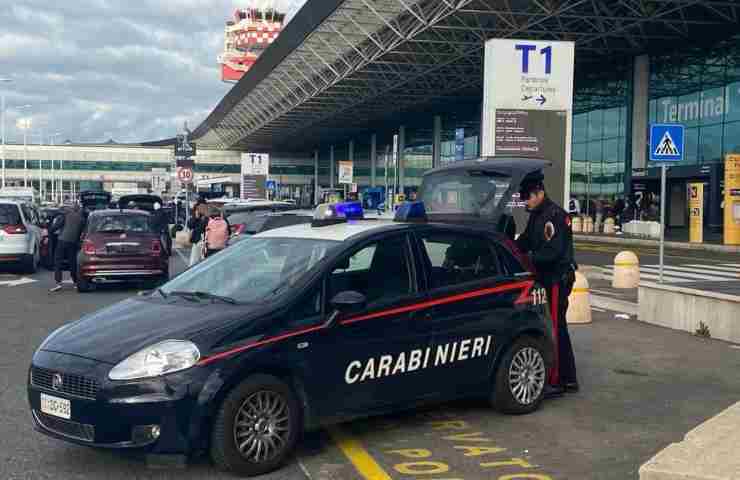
396,87
357,80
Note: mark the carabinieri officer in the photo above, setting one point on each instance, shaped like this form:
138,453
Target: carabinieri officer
548,240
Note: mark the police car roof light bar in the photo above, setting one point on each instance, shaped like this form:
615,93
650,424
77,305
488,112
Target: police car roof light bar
411,212
333,213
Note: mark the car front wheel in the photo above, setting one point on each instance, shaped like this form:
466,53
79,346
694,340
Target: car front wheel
520,379
257,427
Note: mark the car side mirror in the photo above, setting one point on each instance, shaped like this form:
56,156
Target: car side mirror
346,303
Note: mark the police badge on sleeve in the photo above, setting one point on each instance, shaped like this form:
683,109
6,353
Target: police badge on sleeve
549,231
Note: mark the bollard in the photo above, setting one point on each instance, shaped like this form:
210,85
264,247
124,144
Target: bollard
588,225
609,226
579,301
577,225
626,270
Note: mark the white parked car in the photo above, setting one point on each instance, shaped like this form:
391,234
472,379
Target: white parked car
20,235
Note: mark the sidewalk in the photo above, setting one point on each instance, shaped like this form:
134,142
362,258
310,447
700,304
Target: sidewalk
627,240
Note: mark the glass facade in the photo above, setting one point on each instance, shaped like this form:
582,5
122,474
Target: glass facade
700,88
600,129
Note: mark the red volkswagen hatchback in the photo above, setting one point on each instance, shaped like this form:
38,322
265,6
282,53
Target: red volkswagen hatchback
121,246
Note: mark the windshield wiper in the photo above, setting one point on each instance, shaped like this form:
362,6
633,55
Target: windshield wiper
186,295
198,295
161,292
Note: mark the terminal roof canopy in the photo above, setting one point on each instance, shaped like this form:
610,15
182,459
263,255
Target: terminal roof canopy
340,66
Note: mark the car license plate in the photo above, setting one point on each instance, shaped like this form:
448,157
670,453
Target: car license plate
59,407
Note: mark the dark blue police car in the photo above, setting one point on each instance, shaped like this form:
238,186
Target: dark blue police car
306,325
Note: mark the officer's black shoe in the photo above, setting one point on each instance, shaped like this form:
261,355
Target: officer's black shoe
572,387
554,391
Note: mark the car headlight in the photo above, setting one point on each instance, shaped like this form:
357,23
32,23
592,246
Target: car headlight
159,359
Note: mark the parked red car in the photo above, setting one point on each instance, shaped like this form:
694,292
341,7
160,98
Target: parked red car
121,246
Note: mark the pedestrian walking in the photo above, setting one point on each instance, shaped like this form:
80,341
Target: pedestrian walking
548,240
161,226
217,232
70,226
197,227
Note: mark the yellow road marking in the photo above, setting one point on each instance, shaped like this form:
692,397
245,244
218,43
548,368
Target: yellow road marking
356,453
579,290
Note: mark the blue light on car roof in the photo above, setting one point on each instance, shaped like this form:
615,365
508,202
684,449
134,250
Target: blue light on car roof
333,213
350,210
411,212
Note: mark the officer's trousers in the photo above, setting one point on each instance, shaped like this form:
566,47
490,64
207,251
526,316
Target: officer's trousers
564,370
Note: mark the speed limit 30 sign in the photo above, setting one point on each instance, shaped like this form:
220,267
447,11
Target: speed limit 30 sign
185,175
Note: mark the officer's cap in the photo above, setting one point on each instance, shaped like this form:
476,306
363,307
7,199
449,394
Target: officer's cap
532,182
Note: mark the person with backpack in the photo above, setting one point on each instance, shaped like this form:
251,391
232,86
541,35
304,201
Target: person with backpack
217,234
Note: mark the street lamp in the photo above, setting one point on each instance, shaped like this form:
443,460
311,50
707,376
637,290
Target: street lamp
53,180
2,113
25,124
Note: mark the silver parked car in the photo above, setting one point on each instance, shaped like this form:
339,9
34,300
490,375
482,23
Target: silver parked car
20,235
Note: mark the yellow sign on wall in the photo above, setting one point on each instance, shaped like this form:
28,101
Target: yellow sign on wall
696,212
732,199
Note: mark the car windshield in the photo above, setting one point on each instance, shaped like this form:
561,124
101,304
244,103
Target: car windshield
120,223
241,217
9,215
252,270
472,193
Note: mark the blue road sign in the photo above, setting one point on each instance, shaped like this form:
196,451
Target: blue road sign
666,142
271,185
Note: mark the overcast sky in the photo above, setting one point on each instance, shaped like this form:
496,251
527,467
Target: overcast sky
131,70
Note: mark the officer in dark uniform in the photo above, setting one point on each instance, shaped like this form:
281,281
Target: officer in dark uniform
548,240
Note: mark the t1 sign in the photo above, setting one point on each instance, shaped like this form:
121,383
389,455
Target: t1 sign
526,48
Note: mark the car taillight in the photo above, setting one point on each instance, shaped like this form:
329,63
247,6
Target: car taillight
238,229
88,247
15,229
156,247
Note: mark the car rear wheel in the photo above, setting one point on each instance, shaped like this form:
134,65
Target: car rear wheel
256,428
31,262
521,378
84,285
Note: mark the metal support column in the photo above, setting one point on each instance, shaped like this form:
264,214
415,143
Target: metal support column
401,158
351,155
331,166
373,159
437,142
316,177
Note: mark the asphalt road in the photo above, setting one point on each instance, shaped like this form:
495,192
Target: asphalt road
643,387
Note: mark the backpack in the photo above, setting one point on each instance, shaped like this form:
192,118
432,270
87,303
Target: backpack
217,233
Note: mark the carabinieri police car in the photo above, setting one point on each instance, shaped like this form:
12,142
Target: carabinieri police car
307,325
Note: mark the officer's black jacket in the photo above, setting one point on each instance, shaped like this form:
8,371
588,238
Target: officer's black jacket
554,257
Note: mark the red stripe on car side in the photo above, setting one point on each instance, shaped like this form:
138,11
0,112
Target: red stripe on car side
219,356
441,301
525,286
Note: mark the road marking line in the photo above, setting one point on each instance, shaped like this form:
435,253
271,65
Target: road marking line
649,276
719,270
597,309
685,273
356,453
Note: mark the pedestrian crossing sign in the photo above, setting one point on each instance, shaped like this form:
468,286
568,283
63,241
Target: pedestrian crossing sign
666,142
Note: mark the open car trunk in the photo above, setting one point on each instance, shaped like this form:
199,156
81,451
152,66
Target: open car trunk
481,192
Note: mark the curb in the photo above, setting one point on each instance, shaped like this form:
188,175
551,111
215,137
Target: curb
702,247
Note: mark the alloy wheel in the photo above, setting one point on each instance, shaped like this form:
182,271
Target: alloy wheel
527,375
262,426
